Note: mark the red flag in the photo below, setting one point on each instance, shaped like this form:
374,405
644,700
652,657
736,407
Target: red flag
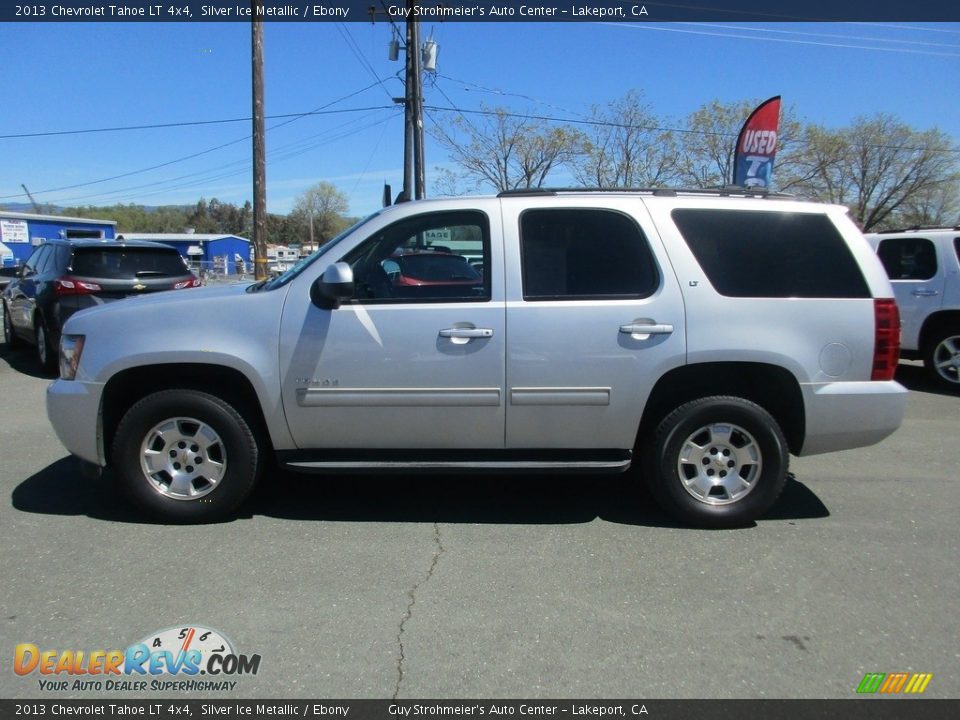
757,146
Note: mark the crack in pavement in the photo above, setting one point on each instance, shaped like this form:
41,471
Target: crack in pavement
412,594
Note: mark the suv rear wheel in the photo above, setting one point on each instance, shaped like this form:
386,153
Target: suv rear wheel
942,357
185,456
717,462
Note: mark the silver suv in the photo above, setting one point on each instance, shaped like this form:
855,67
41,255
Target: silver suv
698,337
924,268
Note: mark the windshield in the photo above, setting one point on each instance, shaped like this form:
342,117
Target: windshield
304,263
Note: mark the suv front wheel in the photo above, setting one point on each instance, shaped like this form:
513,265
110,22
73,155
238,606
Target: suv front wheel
185,456
717,462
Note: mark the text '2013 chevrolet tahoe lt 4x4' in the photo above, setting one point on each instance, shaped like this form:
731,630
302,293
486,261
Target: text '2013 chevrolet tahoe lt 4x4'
699,337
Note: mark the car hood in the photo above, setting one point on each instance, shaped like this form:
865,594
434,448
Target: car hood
204,298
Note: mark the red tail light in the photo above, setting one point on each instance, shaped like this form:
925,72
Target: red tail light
191,283
886,344
71,286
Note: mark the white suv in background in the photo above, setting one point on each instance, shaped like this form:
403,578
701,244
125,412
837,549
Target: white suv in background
923,265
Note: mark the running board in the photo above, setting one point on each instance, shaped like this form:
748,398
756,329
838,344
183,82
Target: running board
378,461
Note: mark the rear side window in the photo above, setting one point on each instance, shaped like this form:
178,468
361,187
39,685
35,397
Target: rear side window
910,258
584,254
749,253
127,263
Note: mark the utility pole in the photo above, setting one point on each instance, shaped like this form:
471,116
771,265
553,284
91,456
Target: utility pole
413,52
414,183
259,142
413,160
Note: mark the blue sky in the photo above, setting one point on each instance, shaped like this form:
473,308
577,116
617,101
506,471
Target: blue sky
61,76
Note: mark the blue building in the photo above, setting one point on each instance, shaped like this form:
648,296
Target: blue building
21,232
217,254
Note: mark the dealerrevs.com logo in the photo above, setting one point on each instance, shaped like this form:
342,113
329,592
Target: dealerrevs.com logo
187,659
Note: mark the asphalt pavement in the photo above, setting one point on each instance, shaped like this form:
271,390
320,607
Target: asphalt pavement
507,586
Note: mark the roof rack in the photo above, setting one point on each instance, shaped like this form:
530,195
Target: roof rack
724,191
915,228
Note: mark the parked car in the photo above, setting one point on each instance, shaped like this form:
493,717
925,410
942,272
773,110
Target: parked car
923,265
63,276
415,268
698,337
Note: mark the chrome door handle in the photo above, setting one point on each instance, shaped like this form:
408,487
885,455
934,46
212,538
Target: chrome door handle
924,293
466,333
643,329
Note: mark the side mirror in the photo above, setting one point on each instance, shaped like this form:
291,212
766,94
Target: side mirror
334,285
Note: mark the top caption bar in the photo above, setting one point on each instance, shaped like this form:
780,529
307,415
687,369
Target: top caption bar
479,11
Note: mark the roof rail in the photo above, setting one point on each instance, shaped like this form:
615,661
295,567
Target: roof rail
724,191
523,192
915,228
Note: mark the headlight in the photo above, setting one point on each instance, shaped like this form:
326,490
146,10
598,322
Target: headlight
71,346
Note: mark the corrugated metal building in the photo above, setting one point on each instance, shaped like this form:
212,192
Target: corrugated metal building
21,232
209,253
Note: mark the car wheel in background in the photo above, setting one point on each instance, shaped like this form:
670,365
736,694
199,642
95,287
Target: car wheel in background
717,462
9,334
46,355
185,456
942,358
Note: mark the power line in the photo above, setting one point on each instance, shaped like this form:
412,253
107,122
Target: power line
237,167
652,128
196,154
657,27
155,126
832,36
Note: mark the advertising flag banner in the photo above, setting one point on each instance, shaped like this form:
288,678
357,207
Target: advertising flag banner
757,146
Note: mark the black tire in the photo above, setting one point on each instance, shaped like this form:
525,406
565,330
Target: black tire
46,354
179,430
717,462
941,358
10,336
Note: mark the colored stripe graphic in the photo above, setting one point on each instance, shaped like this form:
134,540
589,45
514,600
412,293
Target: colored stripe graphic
894,683
918,683
871,682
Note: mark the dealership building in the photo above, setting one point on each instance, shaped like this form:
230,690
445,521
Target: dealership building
218,254
21,232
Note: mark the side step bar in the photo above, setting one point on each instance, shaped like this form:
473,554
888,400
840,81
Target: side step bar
379,461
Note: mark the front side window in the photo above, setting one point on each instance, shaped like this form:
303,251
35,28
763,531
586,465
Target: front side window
584,254
911,258
438,257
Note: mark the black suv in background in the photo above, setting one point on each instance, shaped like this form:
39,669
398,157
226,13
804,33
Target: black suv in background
64,276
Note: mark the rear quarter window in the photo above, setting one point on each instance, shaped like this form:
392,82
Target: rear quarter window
747,253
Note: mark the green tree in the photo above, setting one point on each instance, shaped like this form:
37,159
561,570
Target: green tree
709,142
886,172
507,152
627,146
320,211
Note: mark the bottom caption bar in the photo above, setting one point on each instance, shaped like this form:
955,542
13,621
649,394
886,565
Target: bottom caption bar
873,709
